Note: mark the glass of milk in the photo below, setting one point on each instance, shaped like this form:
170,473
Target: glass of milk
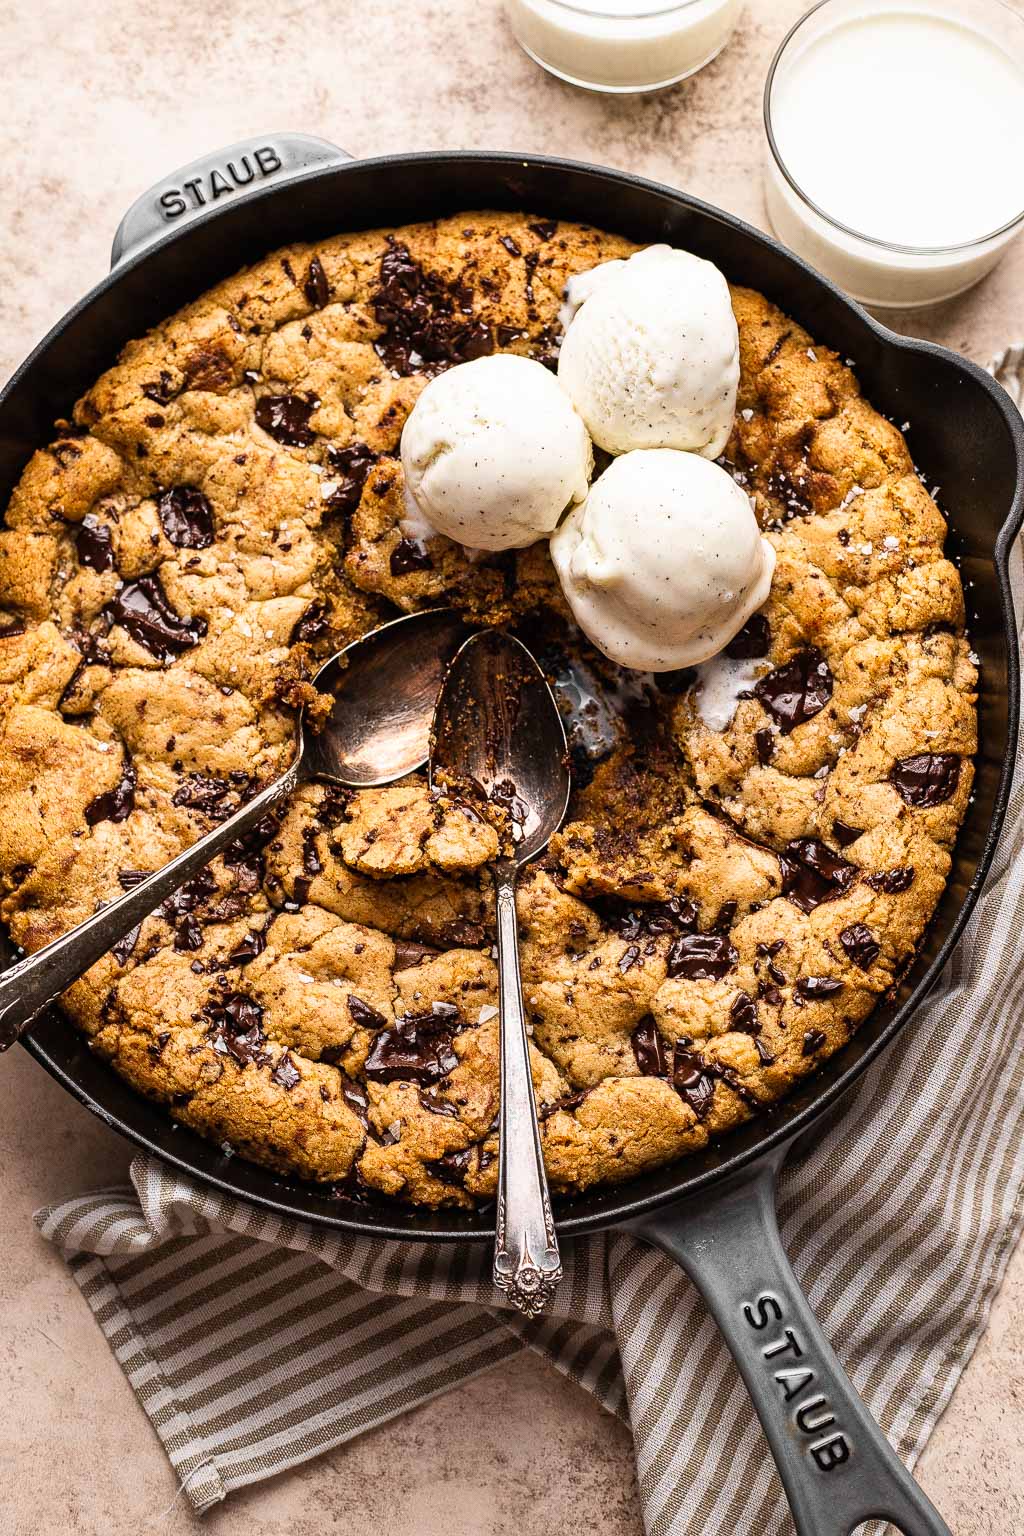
622,45
896,144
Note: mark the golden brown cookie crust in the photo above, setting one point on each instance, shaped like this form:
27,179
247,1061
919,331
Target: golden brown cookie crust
722,909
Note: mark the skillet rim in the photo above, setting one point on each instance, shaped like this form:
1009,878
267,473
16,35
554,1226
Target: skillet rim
626,1208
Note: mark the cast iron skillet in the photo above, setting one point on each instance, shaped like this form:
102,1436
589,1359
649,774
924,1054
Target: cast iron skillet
713,1213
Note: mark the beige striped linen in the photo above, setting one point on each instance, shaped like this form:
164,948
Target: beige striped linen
254,1343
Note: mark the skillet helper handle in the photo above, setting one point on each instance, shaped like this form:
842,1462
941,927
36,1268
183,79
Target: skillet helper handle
27,987
214,179
836,1465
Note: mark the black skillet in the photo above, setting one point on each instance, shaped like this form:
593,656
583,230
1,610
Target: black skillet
713,1213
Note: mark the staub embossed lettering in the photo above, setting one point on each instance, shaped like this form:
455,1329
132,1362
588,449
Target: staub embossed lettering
795,1375
218,182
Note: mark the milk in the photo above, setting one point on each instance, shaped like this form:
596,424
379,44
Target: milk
622,45
902,126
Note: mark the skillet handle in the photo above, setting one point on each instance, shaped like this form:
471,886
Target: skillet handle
836,1465
203,184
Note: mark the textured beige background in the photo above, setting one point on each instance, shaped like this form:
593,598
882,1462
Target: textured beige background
98,100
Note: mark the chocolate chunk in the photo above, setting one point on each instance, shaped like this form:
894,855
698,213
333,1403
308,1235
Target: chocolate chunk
649,1049
310,857
930,778
568,1101
860,945
845,835
419,1046
351,465
797,690
408,556
726,917
638,923
691,1080
629,958
701,956
428,322
316,287
814,1039
186,517
543,228
114,804
236,1027
764,742
891,881
811,989
310,626
453,1167
743,1014
160,390
334,804
354,1095
254,943
141,608
432,1102
286,1074
214,797
363,1015
285,418
94,544
461,933
812,873
408,954
122,950
752,641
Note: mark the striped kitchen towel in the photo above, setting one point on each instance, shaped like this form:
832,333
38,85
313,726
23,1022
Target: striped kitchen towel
254,1344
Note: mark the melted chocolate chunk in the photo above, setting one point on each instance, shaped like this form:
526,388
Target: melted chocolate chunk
453,1167
701,956
351,465
810,989
797,690
363,1015
428,323
649,1049
860,945
316,287
310,857
141,608
236,1027
354,1095
214,797
752,641
814,1039
408,556
891,881
629,958
186,517
691,1080
94,544
431,1101
743,1014
845,835
812,873
930,778
543,228
764,742
311,626
114,804
286,1074
419,1046
285,418
122,950
254,943
160,390
638,923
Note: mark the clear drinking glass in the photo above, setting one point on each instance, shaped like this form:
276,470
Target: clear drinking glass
622,45
880,273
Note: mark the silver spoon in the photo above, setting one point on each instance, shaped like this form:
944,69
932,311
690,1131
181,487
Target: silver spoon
385,688
497,729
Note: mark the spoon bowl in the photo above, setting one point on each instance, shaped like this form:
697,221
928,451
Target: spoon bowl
497,727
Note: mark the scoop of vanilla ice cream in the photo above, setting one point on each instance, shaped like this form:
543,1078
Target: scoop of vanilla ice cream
664,562
650,358
493,453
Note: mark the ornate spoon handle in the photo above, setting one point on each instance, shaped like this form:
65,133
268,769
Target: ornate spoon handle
26,988
527,1266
